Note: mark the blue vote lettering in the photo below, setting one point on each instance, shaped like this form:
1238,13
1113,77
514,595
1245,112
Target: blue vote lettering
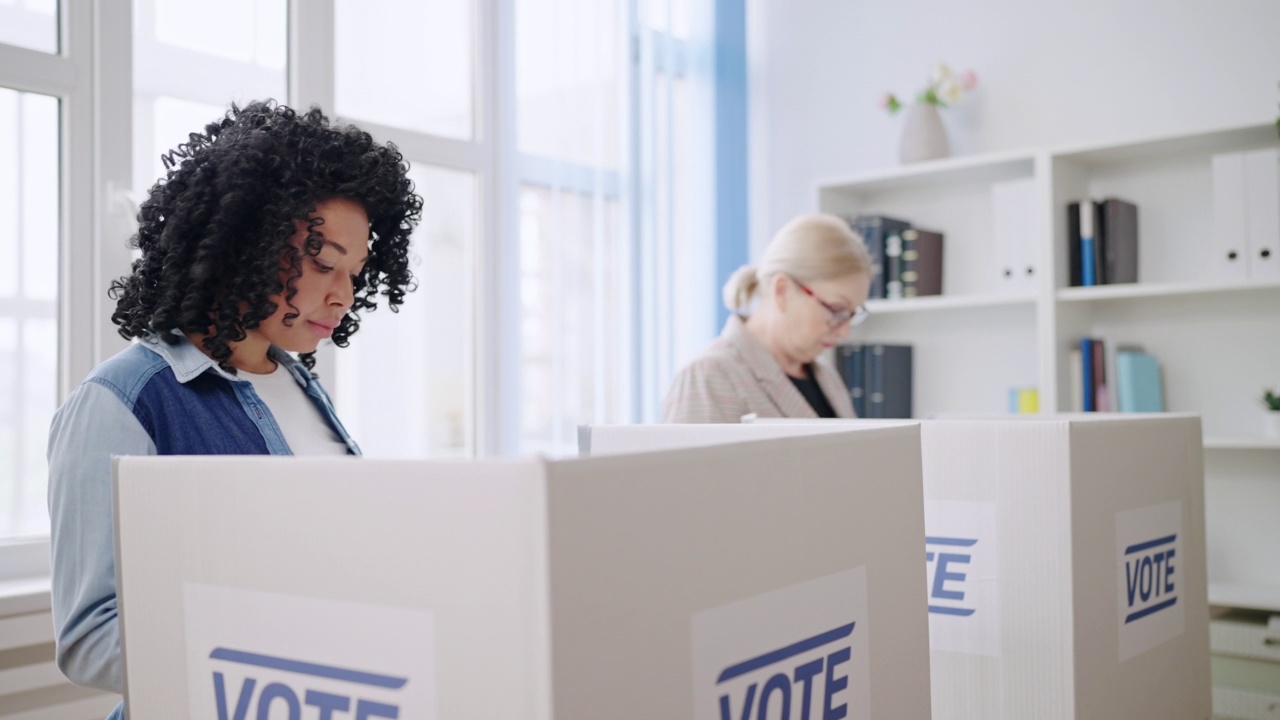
1150,584
784,688
294,698
277,696
947,587
781,685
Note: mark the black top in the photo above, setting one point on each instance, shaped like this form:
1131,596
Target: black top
808,387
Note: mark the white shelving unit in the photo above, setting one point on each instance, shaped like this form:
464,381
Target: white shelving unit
945,302
1120,292
1218,342
1240,443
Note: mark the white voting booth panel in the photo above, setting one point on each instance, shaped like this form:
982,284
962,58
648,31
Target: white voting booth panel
598,440
734,581
1065,560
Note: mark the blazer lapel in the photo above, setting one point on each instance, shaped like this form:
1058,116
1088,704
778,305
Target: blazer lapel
770,378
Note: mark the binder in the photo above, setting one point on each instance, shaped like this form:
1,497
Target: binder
921,262
1087,388
1138,377
1088,244
1073,245
1119,240
1262,192
851,362
1102,398
1076,380
889,381
875,229
893,265
1230,219
1013,230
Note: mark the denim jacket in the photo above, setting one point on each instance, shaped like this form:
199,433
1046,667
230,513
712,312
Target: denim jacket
153,398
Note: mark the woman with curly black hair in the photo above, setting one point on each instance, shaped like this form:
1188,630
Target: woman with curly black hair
270,232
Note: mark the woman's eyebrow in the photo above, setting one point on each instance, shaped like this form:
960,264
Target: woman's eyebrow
343,251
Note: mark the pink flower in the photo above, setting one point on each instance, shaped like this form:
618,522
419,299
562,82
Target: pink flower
969,80
886,100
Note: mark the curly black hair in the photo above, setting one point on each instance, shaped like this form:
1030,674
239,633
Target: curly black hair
215,230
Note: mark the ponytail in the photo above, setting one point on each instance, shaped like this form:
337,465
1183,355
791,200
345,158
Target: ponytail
740,288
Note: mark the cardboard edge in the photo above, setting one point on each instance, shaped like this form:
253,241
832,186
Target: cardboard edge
119,557
544,685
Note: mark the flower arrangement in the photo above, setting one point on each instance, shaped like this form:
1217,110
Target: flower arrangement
1271,401
944,89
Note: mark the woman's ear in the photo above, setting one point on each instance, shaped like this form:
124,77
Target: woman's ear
778,287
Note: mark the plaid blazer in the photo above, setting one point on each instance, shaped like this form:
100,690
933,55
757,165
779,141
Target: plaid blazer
736,375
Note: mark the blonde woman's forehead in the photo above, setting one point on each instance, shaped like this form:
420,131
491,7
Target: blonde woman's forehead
850,290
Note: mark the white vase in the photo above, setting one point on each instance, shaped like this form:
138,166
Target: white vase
923,136
1271,424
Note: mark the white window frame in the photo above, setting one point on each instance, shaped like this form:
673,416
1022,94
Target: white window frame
662,54
492,157
311,81
93,79
90,78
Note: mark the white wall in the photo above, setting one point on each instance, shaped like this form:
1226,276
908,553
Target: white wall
1050,73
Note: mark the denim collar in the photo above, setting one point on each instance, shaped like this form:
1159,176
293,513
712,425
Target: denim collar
188,362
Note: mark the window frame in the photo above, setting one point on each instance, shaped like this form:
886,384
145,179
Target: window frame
92,78
312,81
89,77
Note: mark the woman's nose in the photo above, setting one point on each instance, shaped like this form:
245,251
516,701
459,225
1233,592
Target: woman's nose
344,293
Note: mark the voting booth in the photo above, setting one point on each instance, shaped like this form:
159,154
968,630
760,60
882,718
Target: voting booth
1065,559
755,580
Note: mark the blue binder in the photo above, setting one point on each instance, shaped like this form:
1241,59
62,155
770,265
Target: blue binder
1086,364
1140,388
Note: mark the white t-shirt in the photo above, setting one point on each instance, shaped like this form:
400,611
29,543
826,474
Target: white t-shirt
299,419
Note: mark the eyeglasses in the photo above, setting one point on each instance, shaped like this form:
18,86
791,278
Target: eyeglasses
839,316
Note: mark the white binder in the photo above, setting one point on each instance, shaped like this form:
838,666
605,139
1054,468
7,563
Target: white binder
1230,219
1013,220
1262,192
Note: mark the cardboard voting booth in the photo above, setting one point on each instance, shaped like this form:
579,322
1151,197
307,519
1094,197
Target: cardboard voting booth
1065,560
739,581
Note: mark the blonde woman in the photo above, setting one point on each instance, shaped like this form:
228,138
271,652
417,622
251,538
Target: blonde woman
807,291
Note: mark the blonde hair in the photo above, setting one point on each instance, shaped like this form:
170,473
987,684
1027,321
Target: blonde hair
809,248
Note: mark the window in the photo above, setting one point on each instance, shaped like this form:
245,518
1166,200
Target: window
588,241
406,65
574,320
572,79
674,223
189,65
407,385
31,24
29,238
52,260
404,381
561,146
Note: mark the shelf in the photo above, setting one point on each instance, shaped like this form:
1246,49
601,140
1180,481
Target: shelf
1161,148
1241,443
1249,597
1141,290
969,169
945,302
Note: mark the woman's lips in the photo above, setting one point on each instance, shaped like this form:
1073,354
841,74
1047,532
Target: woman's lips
320,329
